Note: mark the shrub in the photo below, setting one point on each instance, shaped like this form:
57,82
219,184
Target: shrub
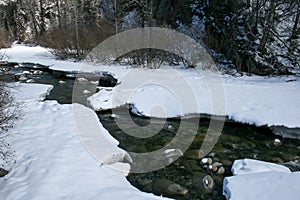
8,114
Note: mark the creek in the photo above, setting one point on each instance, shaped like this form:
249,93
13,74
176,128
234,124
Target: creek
237,141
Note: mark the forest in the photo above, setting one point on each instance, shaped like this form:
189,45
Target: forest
253,36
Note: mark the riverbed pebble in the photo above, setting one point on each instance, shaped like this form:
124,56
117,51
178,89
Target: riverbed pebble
26,72
30,81
277,142
22,78
204,183
221,171
215,166
87,92
114,116
82,80
207,161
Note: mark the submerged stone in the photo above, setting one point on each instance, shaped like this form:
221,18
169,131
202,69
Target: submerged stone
107,80
168,188
204,183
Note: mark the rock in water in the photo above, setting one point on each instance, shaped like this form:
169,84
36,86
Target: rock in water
3,172
221,171
207,161
22,78
107,80
204,183
216,166
168,188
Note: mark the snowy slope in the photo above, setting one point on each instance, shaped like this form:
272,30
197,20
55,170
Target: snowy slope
52,163
261,181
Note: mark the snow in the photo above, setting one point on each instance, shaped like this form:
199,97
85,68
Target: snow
262,181
161,93
51,160
249,166
169,92
40,55
3,2
89,127
25,92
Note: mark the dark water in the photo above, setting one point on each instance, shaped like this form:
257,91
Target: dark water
62,92
237,141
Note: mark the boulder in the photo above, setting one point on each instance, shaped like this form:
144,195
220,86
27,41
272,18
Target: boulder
107,80
168,188
203,183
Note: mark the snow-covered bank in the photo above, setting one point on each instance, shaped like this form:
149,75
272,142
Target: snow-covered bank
254,100
262,181
52,163
169,93
39,55
30,92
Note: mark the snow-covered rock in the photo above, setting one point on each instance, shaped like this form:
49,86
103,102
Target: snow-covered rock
261,181
102,100
250,166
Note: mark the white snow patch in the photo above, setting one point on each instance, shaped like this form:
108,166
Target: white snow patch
51,161
262,181
249,166
255,100
25,92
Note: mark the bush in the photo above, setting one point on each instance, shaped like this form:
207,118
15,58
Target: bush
151,58
8,114
63,42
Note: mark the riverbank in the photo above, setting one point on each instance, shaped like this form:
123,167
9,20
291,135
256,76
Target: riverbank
51,162
262,101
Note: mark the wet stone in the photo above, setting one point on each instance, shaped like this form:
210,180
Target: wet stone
168,188
237,142
3,172
204,183
145,182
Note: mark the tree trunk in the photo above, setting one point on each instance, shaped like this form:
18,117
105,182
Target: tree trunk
34,22
42,15
76,28
267,29
58,14
295,28
256,16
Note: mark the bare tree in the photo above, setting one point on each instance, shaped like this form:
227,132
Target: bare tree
296,25
268,26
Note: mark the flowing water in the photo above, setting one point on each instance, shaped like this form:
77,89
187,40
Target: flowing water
237,141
